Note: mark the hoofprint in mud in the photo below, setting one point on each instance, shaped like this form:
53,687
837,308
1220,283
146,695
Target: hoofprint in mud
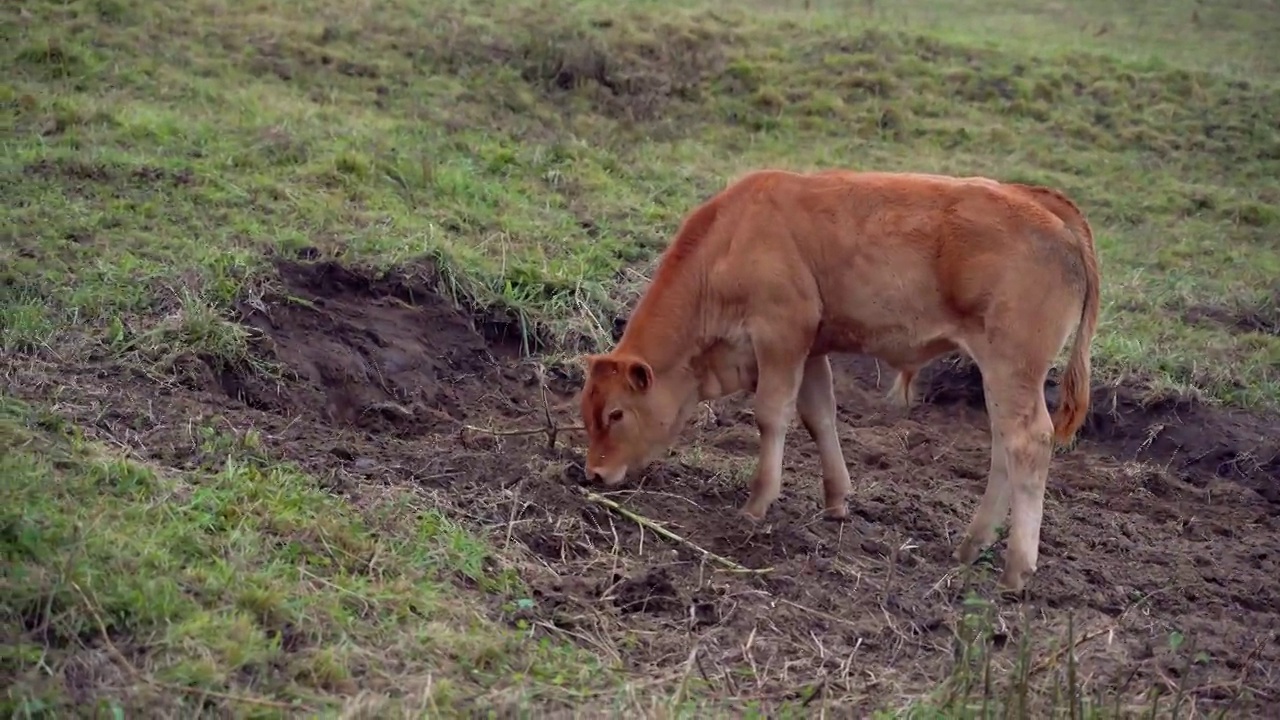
780,269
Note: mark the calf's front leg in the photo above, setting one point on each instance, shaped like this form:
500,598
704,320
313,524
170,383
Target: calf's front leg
775,404
816,403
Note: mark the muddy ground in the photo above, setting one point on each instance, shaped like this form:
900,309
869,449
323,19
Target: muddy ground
1165,518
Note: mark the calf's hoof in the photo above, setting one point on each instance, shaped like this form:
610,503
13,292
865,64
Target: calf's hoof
836,511
1013,581
756,508
969,550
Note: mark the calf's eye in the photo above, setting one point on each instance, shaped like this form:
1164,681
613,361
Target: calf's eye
615,416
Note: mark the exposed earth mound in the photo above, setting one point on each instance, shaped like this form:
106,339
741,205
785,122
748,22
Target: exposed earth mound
1164,521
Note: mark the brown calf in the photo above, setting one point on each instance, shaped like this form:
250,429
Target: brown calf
781,268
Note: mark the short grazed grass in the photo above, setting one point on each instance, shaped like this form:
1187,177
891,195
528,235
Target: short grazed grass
142,182
241,574
155,155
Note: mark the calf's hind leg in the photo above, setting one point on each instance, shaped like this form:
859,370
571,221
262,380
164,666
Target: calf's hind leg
903,392
816,403
1025,430
1013,366
994,506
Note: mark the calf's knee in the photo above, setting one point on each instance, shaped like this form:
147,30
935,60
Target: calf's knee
1028,449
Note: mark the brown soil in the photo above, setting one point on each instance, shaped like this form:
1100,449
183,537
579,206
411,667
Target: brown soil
1165,518
1262,317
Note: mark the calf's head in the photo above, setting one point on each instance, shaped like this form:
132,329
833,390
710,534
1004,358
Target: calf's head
630,415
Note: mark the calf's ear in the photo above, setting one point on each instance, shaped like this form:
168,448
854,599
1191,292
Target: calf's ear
598,365
640,375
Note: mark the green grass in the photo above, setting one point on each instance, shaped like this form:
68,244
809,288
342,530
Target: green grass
154,153
242,585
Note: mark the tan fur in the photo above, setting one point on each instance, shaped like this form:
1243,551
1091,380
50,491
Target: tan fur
779,269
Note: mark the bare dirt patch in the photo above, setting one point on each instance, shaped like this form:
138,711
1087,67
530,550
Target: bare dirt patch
77,174
1165,519
1193,442
1262,316
380,355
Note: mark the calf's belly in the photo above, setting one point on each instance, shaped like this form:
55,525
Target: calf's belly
898,346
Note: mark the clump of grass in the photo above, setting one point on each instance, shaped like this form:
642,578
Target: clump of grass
25,326
986,683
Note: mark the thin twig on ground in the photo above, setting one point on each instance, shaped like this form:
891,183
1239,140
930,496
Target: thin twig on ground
660,530
1048,662
514,432
549,428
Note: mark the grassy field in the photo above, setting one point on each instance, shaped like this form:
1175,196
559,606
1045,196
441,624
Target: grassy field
156,155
